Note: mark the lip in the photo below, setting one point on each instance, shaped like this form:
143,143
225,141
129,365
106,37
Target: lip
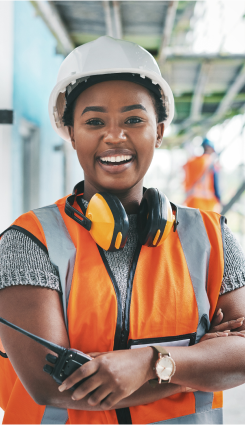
116,169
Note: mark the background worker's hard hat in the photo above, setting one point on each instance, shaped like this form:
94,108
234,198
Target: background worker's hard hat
105,55
207,142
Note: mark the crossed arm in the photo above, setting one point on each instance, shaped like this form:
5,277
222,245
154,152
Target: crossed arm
117,379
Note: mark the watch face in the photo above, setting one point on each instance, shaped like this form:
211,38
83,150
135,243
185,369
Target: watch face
165,368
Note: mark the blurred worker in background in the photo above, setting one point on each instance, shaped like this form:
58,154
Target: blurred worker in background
201,180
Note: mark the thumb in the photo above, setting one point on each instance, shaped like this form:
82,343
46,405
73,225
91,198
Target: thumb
217,319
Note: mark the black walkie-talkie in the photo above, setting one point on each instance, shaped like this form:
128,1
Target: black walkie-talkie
67,361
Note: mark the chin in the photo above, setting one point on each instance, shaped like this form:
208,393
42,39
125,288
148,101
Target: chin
116,186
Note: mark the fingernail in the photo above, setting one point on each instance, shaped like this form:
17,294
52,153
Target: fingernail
62,387
227,331
241,319
73,397
219,311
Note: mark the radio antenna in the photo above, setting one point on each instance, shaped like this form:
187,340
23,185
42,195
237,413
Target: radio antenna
54,347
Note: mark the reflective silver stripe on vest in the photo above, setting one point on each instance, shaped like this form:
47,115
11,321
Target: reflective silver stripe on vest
196,247
54,415
62,254
214,416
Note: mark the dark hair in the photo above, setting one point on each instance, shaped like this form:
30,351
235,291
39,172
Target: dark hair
158,102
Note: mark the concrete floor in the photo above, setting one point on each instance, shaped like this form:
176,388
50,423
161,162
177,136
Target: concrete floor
234,406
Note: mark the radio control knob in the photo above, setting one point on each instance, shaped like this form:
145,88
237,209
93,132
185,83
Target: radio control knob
51,358
48,369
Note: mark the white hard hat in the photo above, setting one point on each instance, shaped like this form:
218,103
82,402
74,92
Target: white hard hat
105,55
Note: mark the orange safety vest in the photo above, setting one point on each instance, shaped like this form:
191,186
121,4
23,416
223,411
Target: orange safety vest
171,298
199,183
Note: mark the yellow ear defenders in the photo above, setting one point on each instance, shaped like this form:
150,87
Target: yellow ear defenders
107,221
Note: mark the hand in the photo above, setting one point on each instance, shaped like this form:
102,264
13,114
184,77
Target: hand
111,376
219,329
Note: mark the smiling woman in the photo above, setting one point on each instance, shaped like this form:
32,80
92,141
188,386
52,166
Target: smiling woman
115,270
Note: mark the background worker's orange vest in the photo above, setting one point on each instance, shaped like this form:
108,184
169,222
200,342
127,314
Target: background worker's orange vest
172,294
199,183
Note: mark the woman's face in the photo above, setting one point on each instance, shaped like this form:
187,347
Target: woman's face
115,132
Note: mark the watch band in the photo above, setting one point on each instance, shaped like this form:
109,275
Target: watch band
160,350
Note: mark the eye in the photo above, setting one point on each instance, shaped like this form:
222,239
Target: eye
133,120
95,122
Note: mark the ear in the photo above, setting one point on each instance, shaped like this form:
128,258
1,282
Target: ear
71,134
160,131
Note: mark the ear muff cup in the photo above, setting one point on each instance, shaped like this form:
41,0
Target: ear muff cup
155,218
148,217
109,221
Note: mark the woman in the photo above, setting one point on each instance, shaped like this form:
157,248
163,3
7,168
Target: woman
60,285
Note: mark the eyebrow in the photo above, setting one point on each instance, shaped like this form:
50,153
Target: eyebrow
131,107
102,109
94,109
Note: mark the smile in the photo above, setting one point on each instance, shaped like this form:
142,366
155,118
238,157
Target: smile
115,162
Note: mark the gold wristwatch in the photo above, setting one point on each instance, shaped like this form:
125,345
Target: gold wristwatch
165,366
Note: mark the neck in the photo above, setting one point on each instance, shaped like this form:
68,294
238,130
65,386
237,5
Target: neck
130,198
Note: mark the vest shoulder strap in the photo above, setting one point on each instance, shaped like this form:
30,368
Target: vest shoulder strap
62,251
196,247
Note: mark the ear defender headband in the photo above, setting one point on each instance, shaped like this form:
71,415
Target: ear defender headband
107,221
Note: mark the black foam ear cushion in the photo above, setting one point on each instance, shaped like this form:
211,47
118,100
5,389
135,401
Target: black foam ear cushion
120,218
150,217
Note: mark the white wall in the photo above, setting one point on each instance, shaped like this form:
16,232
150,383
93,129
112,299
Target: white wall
6,102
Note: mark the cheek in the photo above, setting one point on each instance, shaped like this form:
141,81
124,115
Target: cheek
84,143
146,143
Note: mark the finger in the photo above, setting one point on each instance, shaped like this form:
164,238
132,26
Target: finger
241,333
96,354
99,395
217,319
81,373
91,384
231,324
110,401
214,335
190,390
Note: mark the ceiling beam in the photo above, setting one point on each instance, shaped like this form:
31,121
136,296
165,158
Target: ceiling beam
167,30
225,103
117,19
47,10
230,95
113,18
198,96
108,18
175,54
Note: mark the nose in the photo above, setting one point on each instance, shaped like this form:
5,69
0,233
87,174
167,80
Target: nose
114,135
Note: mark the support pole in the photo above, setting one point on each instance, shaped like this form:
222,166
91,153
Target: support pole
6,106
235,198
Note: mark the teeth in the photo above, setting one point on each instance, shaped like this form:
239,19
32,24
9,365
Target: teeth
116,158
